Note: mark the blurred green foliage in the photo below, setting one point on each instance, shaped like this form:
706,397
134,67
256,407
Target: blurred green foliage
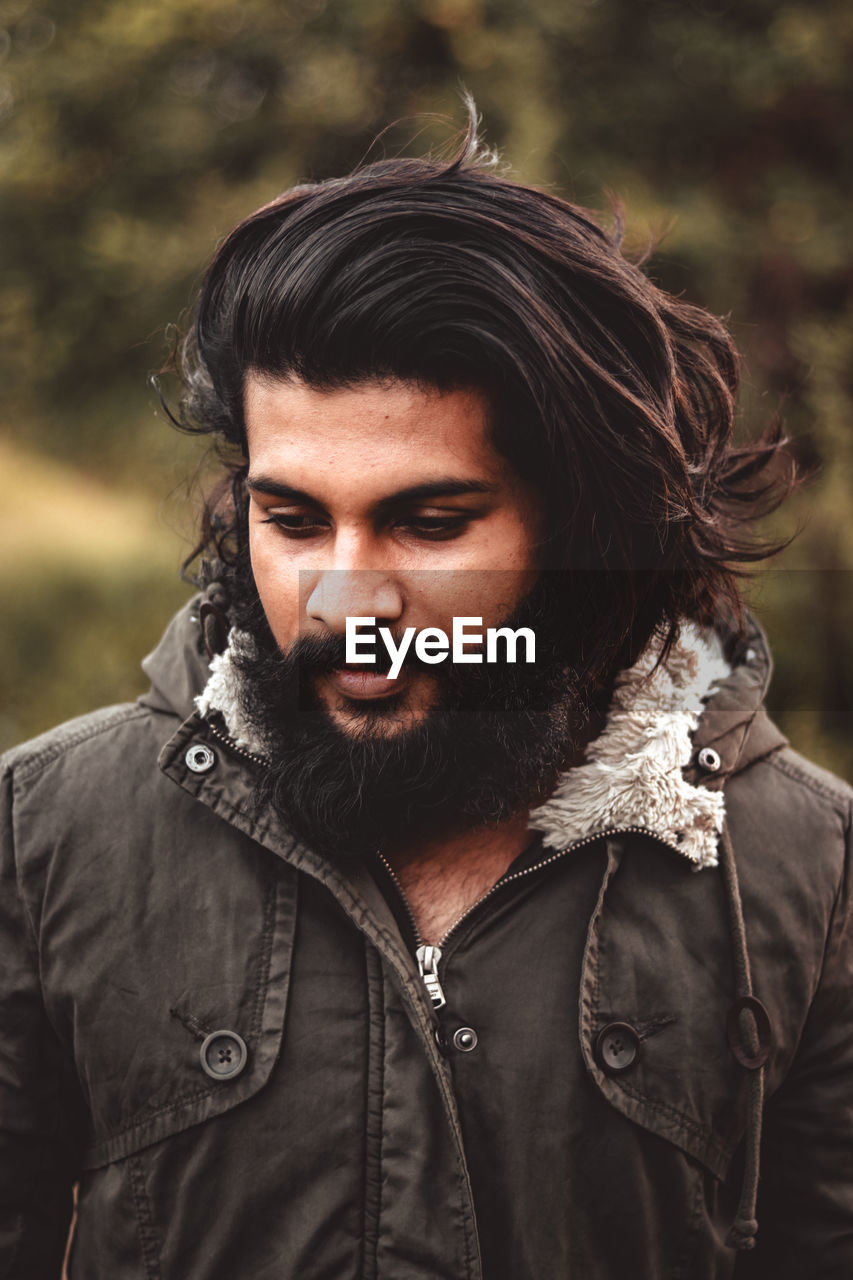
134,133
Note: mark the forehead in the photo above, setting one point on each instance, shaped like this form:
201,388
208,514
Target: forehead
387,430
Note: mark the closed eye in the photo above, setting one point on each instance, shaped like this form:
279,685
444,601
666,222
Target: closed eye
296,526
436,528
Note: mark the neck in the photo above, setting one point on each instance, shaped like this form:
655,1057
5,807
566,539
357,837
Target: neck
443,874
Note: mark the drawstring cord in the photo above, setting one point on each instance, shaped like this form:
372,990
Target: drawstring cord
213,619
748,1028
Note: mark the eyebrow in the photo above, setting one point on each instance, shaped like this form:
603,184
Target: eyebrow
440,488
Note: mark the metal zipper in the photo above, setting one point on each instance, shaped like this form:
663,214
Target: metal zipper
229,741
429,956
426,956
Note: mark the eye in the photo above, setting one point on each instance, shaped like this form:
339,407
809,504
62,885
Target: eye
296,525
436,528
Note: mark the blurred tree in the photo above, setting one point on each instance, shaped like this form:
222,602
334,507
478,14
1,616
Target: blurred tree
135,133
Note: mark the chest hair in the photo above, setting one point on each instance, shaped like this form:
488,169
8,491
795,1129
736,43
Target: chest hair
443,880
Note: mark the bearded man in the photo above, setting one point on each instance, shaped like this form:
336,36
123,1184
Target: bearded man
319,967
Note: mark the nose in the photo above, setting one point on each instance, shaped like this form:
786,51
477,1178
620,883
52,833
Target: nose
338,594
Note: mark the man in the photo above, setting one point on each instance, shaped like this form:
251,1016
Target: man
348,952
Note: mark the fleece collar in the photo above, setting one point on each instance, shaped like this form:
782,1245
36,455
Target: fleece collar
632,775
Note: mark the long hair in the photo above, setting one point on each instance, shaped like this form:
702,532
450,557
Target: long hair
615,399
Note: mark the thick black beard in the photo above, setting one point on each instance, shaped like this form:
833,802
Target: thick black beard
491,746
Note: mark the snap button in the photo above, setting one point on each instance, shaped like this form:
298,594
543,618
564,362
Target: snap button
440,1040
200,758
617,1047
465,1039
223,1055
709,759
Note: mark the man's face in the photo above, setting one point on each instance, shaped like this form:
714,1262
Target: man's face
355,493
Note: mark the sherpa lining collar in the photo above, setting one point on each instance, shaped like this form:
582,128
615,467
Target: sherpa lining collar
222,693
632,775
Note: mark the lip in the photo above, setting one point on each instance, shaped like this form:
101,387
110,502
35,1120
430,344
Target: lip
365,684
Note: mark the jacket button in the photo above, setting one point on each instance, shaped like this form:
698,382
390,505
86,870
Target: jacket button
223,1055
709,759
200,759
617,1047
465,1039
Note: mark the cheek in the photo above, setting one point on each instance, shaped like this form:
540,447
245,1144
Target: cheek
435,599
278,586
493,594
501,572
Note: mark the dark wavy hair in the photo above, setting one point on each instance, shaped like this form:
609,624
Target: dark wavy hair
614,398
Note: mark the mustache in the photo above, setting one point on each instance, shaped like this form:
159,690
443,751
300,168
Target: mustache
317,655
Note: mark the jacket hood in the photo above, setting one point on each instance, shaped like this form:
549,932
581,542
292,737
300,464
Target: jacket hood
672,735
179,666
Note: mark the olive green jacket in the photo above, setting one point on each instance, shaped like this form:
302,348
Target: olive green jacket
226,1041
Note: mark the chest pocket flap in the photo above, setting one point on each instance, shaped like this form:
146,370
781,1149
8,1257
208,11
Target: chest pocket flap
657,984
186,1017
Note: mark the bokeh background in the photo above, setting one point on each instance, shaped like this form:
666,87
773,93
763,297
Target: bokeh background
133,135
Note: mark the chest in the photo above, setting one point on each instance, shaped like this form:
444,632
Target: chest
437,896
442,883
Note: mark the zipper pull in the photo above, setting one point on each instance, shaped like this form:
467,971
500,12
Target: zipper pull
428,958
